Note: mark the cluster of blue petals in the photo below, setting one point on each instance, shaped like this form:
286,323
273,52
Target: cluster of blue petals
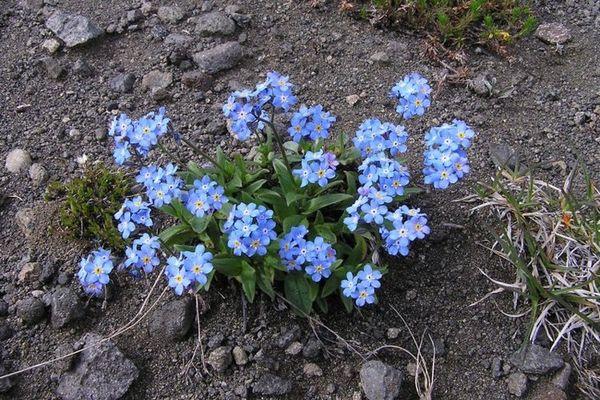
94,271
205,197
361,287
133,211
142,255
310,123
413,95
314,256
316,168
162,185
189,269
250,229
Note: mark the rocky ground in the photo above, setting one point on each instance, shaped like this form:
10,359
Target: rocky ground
69,66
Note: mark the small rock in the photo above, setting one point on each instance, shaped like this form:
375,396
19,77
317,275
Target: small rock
497,368
411,368
536,360
31,310
235,13
73,29
581,118
380,381
25,220
197,80
147,8
219,58
312,349
517,384
548,392
101,373
271,385
352,99
553,33
438,348
330,388
6,331
170,14
54,69
173,320
122,83
37,174
134,16
480,85
380,57
505,157
215,23
7,383
160,94
562,377
239,355
66,308
29,272
3,308
155,80
220,358
83,68
411,294
294,349
48,271
215,340
393,333
17,160
51,45
312,370
177,40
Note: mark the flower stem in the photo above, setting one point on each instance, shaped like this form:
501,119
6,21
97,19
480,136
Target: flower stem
202,154
279,142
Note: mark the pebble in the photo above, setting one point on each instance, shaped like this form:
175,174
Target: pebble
172,321
497,368
380,57
553,33
480,85
393,333
170,14
380,381
517,384
37,174
73,29
83,68
51,45
31,310
220,358
29,272
271,385
215,23
352,99
65,308
197,80
312,348
54,69
18,160
294,349
536,360
122,83
239,355
25,220
156,80
562,377
219,58
312,370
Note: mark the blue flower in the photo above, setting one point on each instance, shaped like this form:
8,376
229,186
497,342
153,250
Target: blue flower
349,285
94,271
316,168
369,277
364,295
197,264
413,95
250,229
310,123
176,275
126,227
318,269
373,212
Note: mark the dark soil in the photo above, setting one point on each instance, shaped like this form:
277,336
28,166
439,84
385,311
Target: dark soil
538,91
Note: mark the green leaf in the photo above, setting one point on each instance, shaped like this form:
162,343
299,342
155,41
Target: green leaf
254,186
359,252
351,178
183,247
199,225
347,301
326,201
248,278
331,285
328,235
297,291
286,180
265,281
226,265
175,233
292,197
294,220
322,304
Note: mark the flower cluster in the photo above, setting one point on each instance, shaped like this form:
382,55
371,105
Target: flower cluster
162,185
245,110
446,158
361,287
205,197
412,93
191,267
142,255
139,136
133,211
94,270
408,225
317,167
316,256
374,137
250,229
310,123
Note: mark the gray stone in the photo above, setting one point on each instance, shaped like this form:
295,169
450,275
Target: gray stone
505,157
312,348
54,68
170,14
3,308
553,33
547,391
156,79
393,333
271,385
29,272
197,80
83,68
517,384
25,220
219,58
134,15
17,160
173,320
101,373
235,12
294,349
380,381
122,83
215,23
31,310
7,383
536,360
239,355
65,307
37,174
562,377
73,29
480,85
312,370
380,57
51,45
6,331
497,368
215,340
178,40
220,358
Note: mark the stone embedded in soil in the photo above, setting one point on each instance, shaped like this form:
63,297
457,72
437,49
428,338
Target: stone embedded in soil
234,11
547,391
380,381
6,331
173,320
380,57
312,348
51,45
393,333
197,80
239,355
29,273
170,14
178,40
271,385
25,220
504,156
536,360
352,99
37,174
65,308
73,29
215,23
294,349
54,68
312,370
497,368
562,377
31,310
517,384
17,160
101,373
3,308
6,383
480,85
156,80
553,33
220,358
219,58
122,83
83,68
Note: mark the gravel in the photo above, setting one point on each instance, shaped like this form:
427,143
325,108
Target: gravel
31,310
380,381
